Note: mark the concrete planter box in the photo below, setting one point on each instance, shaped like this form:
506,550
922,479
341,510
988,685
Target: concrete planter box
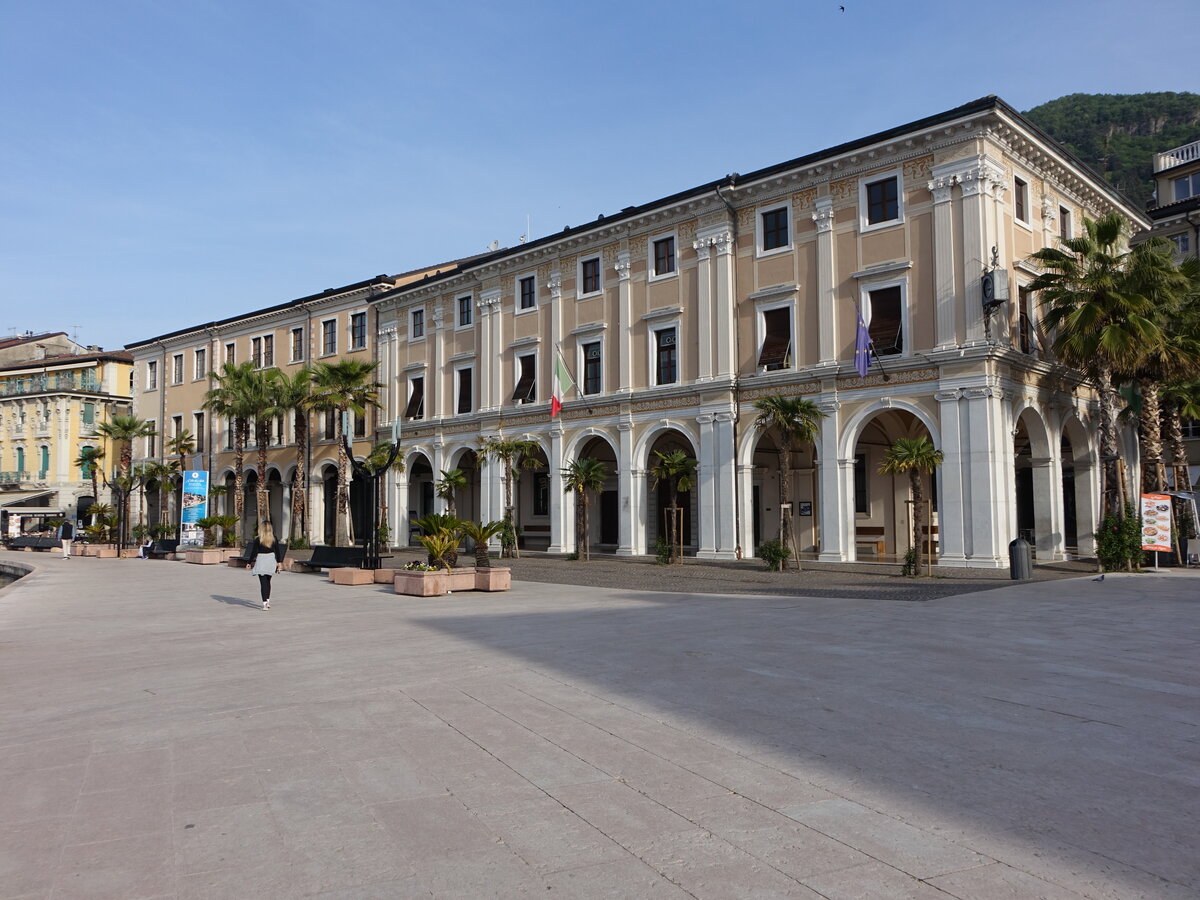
495,579
351,576
204,557
103,552
130,553
420,584
385,576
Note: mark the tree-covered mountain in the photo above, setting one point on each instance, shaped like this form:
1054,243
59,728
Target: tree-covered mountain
1118,134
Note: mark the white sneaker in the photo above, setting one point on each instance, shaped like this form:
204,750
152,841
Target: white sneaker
266,604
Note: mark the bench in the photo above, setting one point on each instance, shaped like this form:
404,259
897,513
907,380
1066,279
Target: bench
333,558
29,542
161,549
870,536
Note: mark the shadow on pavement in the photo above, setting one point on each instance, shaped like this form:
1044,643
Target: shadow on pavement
237,601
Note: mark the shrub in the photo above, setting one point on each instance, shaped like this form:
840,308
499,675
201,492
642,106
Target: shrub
1119,541
775,554
911,562
662,552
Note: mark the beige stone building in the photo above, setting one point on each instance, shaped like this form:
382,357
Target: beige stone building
674,316
172,376
54,394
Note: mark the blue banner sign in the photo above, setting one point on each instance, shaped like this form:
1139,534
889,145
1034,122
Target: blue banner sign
194,508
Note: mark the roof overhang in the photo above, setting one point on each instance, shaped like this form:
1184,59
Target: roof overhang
15,498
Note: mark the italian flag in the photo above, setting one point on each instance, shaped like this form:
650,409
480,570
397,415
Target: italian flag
562,384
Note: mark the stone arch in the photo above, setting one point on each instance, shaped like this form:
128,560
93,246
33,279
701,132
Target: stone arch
1080,489
325,474
1037,498
419,499
852,429
759,455
651,433
604,523
663,437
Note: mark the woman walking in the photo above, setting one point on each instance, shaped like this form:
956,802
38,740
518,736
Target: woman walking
266,558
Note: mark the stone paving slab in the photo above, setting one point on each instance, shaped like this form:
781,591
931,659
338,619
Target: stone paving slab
162,736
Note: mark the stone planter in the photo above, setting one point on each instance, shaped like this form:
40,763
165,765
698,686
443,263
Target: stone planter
130,553
385,576
351,576
494,579
103,552
421,584
461,580
204,557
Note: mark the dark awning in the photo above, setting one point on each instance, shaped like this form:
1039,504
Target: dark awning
524,388
416,402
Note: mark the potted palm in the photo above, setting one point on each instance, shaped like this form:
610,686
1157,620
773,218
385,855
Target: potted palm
487,578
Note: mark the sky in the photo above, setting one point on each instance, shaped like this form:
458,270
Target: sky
166,163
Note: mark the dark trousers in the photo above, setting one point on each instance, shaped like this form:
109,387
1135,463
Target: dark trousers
264,586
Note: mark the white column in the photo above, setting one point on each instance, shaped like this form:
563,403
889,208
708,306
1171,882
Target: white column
724,475
745,476
826,289
397,481
726,304
483,367
952,525
989,478
942,188
624,323
977,185
562,535
835,479
706,507
501,386
433,373
491,491
439,463
1047,507
704,305
630,498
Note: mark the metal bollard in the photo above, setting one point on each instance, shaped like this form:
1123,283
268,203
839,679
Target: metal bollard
1020,560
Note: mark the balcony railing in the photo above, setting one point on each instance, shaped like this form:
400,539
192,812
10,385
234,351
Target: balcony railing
1177,157
41,384
13,477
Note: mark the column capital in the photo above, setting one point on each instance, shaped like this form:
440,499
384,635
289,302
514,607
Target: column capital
823,215
724,416
942,187
723,242
624,426
986,176
554,285
948,396
829,407
623,265
703,247
438,317
983,393
704,419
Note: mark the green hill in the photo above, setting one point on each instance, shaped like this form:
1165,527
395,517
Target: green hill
1118,134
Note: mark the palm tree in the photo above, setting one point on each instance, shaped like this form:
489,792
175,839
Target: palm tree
1098,320
913,457
514,454
124,430
678,471
229,401
88,461
584,477
258,399
293,397
480,533
341,387
797,421
452,481
182,445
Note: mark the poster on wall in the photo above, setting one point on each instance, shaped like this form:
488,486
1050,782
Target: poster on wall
1156,522
194,508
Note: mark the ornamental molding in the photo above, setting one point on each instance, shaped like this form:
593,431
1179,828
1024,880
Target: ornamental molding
663,403
775,292
942,187
530,341
745,217
948,396
703,248
543,273
918,169
686,232
881,269
844,188
663,312
823,215
611,253
906,376
803,199
774,390
590,328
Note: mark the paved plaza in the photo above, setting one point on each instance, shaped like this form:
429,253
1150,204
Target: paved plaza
162,736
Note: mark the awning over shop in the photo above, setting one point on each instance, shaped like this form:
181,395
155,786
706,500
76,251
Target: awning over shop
19,499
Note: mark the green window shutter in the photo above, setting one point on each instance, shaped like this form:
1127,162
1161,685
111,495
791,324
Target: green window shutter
89,413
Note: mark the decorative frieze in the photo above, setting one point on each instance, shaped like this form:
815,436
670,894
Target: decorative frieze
844,189
803,199
904,376
756,393
916,170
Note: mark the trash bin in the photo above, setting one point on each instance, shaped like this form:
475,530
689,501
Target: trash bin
1020,560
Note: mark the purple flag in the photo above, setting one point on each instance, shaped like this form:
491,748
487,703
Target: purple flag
862,348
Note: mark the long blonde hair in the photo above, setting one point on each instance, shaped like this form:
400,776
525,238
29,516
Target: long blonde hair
266,534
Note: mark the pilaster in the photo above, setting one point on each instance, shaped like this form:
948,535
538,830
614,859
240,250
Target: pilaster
979,183
952,526
942,188
704,304
726,304
826,289
562,505
624,321
706,507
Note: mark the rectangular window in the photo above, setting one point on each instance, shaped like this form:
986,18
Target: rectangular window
329,338
592,368
228,434
465,400
176,426
1187,186
177,369
330,425
885,324
201,436
883,200
256,352
231,353
664,256
360,425
1026,336
151,376
358,330
297,343
464,311
666,359
268,352
1021,200
527,288
201,364
416,398
1064,223
777,339
590,275
861,506
416,328
1182,242
526,389
152,440
89,413
541,493
775,229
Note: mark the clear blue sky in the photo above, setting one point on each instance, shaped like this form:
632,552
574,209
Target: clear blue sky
170,162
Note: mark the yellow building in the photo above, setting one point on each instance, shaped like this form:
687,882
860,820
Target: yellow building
53,396
172,376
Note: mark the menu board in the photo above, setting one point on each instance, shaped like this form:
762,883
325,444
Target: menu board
1156,522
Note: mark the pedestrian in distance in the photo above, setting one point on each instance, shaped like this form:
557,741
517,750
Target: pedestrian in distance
266,558
66,534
